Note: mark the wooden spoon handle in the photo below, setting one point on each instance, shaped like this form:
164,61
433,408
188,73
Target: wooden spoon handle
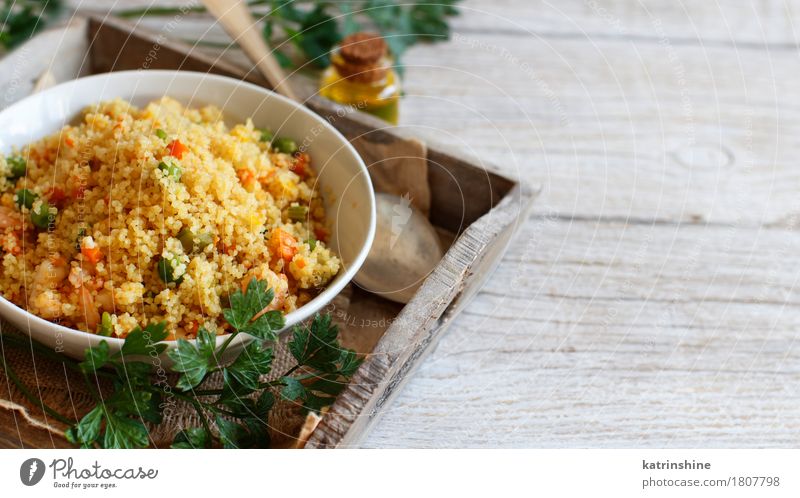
235,17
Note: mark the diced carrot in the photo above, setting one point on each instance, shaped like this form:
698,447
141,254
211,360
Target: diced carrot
56,196
177,149
321,234
301,263
282,245
69,142
247,177
78,191
300,164
92,254
192,327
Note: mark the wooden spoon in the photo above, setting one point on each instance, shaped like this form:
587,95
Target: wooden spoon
235,17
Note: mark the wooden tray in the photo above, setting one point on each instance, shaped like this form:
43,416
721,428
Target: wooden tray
476,210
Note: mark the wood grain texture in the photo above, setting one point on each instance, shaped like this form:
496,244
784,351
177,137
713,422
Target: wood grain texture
655,125
638,335
651,300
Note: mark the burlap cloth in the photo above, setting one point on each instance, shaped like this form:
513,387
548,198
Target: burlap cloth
65,390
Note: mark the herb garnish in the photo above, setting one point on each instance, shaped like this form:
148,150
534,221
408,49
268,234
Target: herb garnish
21,19
240,408
314,27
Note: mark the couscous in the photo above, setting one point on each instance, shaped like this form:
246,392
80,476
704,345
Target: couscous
133,216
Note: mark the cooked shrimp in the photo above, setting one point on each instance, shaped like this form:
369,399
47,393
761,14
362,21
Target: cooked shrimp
88,308
278,283
105,300
50,273
48,276
78,276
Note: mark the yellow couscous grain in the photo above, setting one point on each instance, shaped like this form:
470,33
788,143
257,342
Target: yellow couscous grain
108,216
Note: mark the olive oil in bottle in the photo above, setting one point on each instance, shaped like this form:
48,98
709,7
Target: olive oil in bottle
361,75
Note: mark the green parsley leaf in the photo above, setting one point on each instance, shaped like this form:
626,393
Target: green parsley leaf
230,433
88,429
95,357
317,34
264,404
245,306
316,345
257,434
24,18
349,362
253,362
327,385
124,432
293,389
193,437
133,373
194,361
266,326
142,342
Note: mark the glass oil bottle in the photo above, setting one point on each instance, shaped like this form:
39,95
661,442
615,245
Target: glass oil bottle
361,75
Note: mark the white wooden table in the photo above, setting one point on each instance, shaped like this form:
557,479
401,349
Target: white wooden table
650,300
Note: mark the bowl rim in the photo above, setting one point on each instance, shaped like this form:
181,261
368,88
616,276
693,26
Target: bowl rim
292,318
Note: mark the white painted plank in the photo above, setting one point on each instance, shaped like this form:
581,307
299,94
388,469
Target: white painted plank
616,335
683,21
617,127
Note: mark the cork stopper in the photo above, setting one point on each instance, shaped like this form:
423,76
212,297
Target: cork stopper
361,58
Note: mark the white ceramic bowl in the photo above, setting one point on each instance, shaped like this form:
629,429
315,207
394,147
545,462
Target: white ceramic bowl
343,178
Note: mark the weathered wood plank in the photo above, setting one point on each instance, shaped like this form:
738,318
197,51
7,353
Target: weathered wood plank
724,21
612,126
598,333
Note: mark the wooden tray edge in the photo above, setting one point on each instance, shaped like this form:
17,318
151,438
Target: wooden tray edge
471,259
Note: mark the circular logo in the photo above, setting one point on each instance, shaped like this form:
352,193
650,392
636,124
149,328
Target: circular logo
31,471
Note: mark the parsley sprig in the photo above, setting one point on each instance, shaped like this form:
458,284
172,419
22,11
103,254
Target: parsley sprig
314,27
21,19
233,416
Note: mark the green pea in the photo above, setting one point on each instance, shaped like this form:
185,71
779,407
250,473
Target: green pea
42,217
192,242
266,135
106,327
171,169
17,167
166,270
285,145
25,198
161,134
297,213
312,242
